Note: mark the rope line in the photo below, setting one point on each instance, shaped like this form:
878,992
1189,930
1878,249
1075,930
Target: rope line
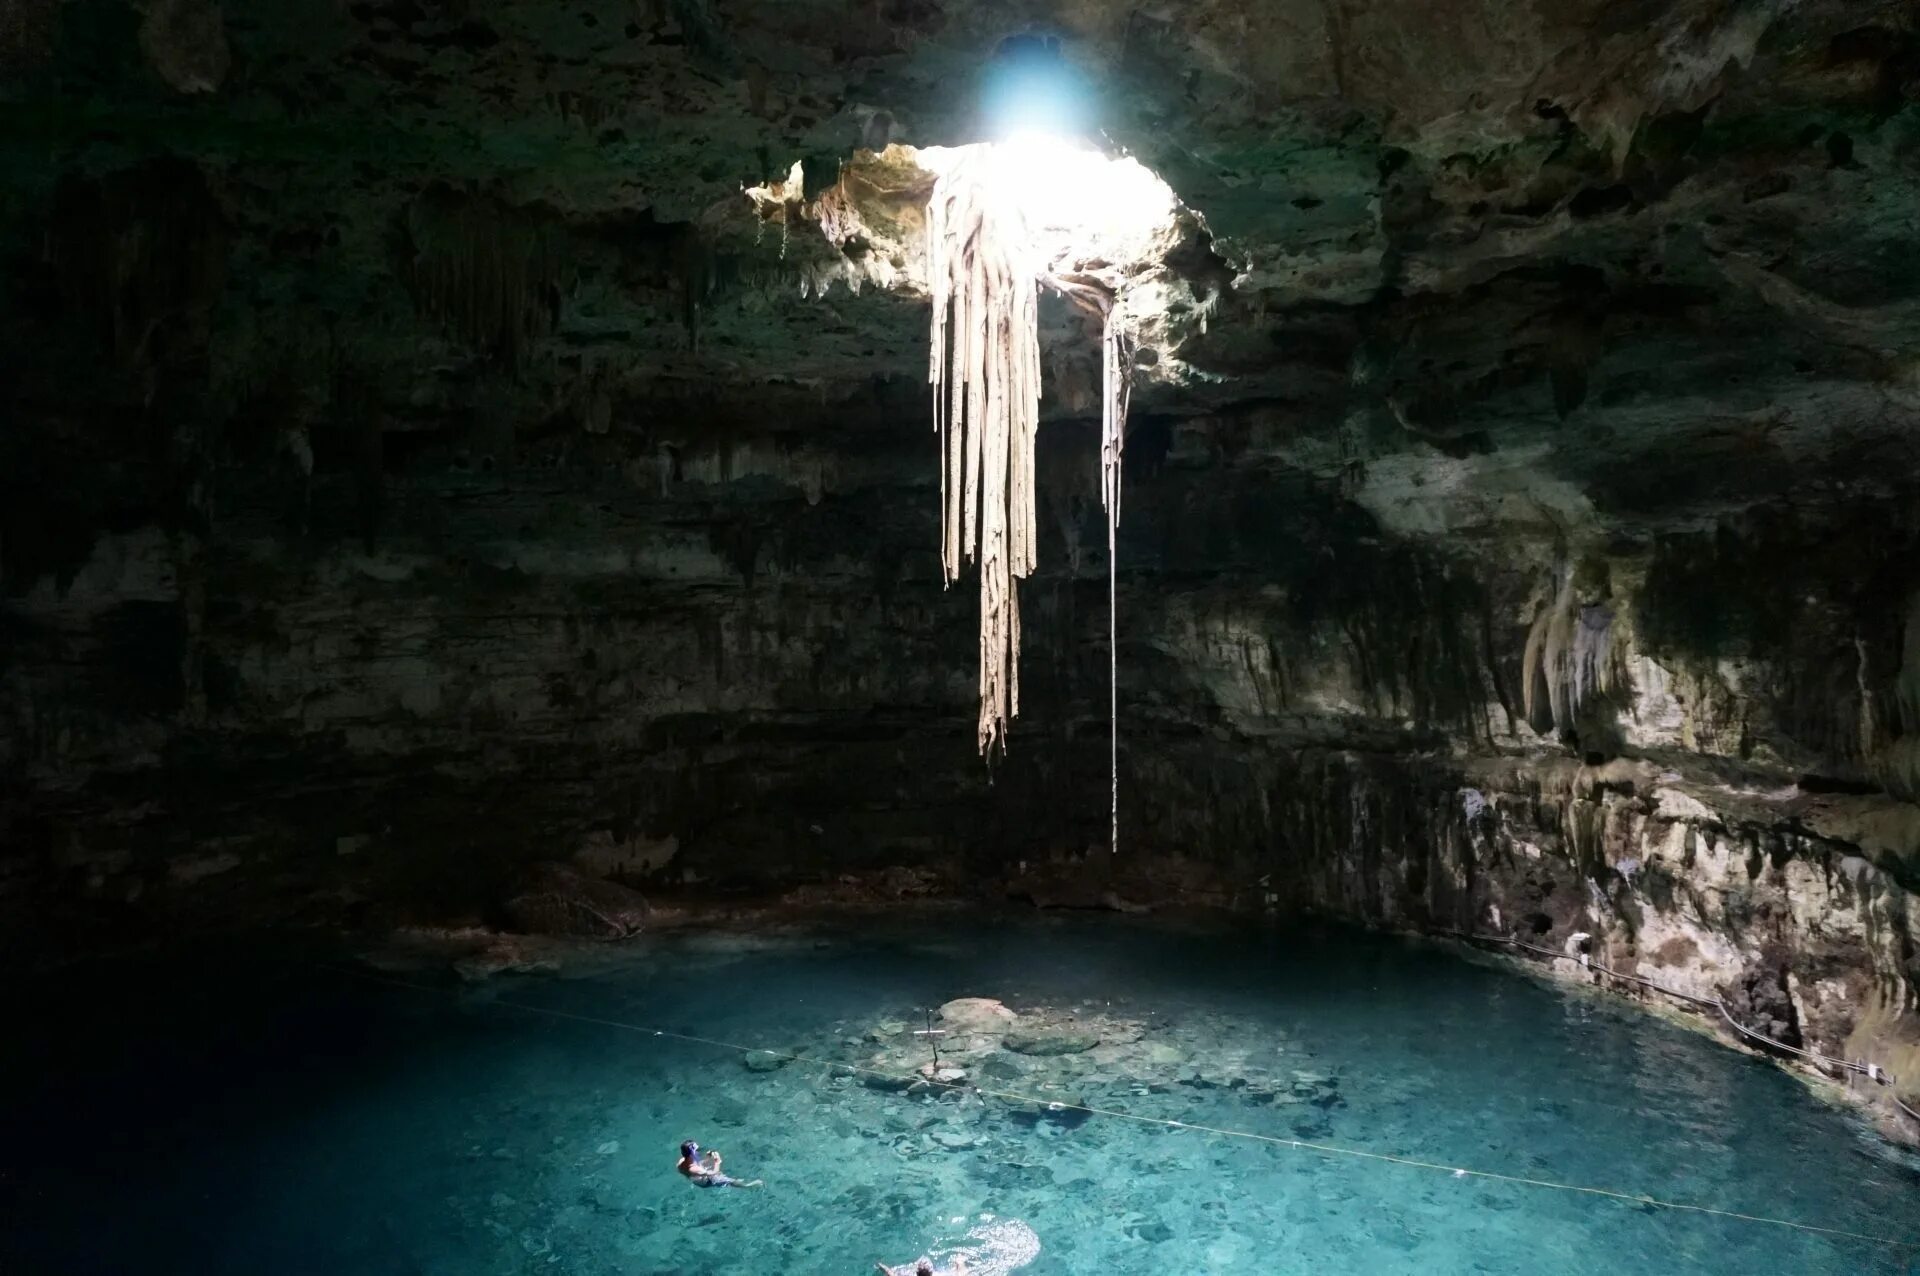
1055,1105
1872,1071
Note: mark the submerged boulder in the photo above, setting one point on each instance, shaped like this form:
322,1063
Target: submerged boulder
1051,1041
977,1014
555,900
1002,1068
888,1082
504,956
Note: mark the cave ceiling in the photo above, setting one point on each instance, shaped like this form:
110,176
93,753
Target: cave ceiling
1582,267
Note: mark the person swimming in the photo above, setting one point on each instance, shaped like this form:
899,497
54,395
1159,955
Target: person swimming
992,1247
705,1170
925,1268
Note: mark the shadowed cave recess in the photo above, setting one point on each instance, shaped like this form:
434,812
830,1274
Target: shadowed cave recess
468,470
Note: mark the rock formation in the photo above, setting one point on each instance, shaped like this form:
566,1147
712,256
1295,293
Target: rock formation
424,458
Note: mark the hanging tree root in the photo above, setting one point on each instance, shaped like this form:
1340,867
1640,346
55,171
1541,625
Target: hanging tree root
984,367
986,410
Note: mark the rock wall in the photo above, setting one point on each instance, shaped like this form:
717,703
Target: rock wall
1762,899
421,460
745,681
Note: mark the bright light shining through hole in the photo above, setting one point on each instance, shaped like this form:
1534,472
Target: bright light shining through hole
1061,186
1074,200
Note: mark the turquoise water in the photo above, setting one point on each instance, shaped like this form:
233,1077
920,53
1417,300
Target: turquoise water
262,1116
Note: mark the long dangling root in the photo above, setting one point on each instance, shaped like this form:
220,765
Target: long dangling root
984,367
986,404
1116,390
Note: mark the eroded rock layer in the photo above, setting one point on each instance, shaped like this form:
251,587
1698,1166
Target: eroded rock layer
422,460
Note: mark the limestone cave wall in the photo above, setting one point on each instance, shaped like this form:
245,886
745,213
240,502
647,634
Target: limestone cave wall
418,463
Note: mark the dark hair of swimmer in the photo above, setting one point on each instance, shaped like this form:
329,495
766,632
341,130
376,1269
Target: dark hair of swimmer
689,1149
923,1268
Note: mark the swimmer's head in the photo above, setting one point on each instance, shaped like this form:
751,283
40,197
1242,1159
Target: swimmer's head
923,1268
689,1149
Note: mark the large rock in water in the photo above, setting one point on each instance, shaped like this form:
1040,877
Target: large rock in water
558,901
977,1014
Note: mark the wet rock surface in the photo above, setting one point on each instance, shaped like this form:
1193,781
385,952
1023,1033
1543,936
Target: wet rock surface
1049,1042
555,900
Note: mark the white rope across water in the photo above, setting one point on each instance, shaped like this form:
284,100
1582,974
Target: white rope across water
1054,1105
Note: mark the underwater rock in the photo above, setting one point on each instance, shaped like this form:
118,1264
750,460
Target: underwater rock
1001,1068
1050,1041
474,970
731,1113
1063,1109
977,1014
501,958
764,1061
558,901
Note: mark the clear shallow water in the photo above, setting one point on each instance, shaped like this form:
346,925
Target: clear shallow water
258,1116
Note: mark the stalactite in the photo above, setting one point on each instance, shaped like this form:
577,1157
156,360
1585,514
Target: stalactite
1568,659
1892,746
493,275
1591,669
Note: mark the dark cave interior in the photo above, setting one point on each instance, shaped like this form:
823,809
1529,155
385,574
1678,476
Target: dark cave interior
454,480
